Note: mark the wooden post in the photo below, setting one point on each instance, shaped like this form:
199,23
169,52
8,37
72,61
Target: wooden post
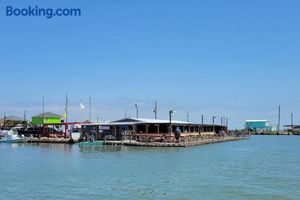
115,131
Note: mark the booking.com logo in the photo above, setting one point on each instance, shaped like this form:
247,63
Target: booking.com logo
44,12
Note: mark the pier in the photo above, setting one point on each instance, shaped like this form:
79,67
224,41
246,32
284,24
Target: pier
199,141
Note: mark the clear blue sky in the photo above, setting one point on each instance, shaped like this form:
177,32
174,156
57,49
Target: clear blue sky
238,59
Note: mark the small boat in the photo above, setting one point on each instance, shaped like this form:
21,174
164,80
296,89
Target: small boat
91,143
11,136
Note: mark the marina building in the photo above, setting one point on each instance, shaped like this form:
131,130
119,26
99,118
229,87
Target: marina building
11,121
149,130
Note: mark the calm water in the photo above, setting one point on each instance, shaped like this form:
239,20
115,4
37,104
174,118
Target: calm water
263,167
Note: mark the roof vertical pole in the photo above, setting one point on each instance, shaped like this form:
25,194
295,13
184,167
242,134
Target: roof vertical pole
43,117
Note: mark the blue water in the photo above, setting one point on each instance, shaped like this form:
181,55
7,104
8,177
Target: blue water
263,167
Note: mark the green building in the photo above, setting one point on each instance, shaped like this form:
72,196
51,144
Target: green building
46,118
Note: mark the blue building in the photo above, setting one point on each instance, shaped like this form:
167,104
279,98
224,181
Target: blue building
259,125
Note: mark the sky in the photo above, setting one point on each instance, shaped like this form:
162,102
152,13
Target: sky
238,59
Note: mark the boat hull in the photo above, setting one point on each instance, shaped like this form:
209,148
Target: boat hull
90,143
13,141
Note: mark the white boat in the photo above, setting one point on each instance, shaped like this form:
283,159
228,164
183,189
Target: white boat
11,136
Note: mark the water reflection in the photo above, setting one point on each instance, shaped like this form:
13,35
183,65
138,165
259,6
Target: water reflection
62,147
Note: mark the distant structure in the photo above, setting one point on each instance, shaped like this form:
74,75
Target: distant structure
46,118
11,121
259,125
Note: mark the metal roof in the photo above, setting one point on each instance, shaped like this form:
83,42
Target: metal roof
133,121
48,115
150,121
13,118
259,120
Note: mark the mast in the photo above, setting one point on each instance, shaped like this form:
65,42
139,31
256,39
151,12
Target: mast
4,118
43,108
66,109
25,122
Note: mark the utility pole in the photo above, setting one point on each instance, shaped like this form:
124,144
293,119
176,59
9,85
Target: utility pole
213,121
43,117
292,121
187,117
90,109
43,108
137,110
202,129
278,126
24,115
155,110
170,118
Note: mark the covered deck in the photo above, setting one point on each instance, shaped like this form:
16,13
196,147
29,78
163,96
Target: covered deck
151,130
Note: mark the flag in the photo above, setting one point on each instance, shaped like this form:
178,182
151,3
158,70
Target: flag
81,105
65,113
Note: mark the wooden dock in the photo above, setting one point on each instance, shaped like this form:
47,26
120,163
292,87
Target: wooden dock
175,144
51,140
